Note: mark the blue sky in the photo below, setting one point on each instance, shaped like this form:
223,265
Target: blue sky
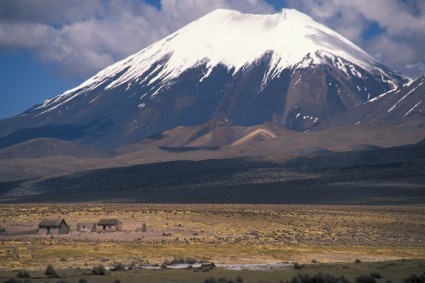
49,46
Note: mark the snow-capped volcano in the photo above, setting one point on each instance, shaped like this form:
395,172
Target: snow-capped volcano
245,69
235,40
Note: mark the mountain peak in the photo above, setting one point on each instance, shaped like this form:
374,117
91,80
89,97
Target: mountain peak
235,40
245,69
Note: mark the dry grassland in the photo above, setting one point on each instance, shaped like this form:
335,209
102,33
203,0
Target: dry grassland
217,233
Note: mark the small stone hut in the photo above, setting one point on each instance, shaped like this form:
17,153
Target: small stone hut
53,227
109,225
86,227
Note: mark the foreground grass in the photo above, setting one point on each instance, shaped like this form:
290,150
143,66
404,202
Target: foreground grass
394,271
68,254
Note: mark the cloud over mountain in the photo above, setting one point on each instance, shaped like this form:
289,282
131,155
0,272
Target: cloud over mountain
78,38
398,34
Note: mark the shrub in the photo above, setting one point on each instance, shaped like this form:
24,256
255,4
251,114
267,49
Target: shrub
50,271
23,274
99,270
119,267
83,280
178,261
210,280
375,275
205,267
342,279
297,265
239,279
319,277
165,264
117,281
415,279
190,260
365,279
357,261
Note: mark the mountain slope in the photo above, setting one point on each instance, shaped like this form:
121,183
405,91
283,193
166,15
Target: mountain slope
239,68
402,106
377,176
45,147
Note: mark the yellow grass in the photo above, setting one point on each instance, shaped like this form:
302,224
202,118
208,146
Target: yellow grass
218,233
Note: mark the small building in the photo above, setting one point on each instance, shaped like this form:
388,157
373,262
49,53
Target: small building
53,227
109,225
86,227
143,228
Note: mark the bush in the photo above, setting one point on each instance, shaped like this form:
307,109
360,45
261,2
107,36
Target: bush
210,280
297,265
117,281
342,279
375,275
119,267
239,279
190,260
98,270
357,261
365,279
23,274
415,279
50,271
82,280
205,267
165,264
319,277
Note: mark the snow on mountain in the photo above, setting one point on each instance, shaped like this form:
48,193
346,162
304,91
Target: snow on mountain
235,40
242,69
402,106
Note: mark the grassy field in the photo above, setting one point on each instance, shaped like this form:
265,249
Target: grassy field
334,236
389,271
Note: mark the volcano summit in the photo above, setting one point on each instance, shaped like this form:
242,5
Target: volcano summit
240,69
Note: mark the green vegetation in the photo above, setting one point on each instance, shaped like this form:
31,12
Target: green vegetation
402,271
23,274
119,267
99,270
50,271
415,279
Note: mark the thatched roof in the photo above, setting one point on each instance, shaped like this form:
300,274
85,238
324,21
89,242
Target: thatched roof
51,223
107,222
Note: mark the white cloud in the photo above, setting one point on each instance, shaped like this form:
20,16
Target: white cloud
400,45
80,37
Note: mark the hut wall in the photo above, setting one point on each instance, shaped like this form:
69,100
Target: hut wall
63,229
110,228
42,231
86,227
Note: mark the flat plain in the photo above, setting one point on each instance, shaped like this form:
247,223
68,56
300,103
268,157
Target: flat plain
223,234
